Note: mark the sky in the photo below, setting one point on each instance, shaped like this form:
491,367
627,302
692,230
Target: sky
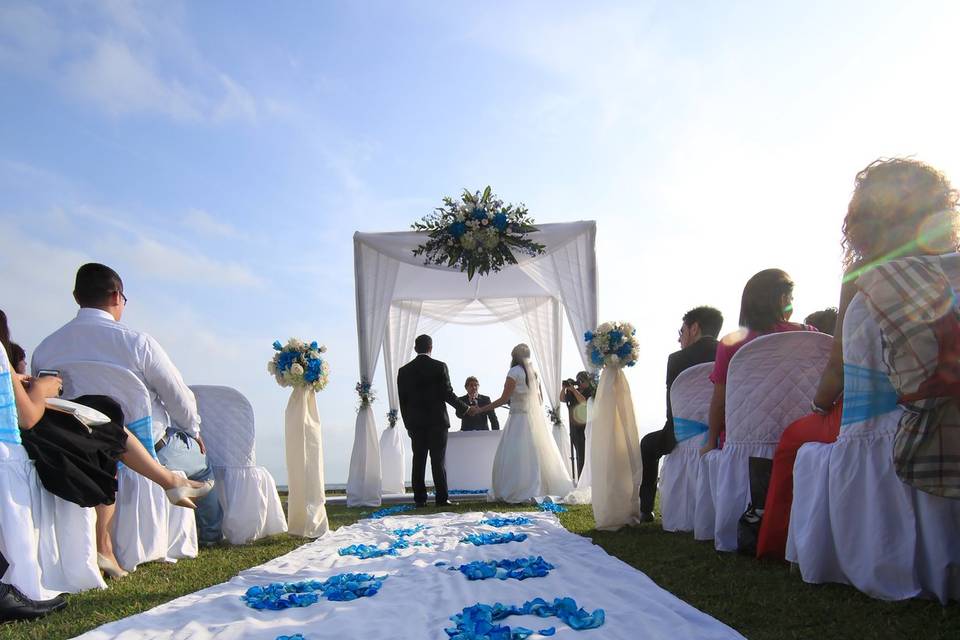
220,156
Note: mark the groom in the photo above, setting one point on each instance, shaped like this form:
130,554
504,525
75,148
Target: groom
424,386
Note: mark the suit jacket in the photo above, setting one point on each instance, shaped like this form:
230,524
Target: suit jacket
479,421
423,385
703,350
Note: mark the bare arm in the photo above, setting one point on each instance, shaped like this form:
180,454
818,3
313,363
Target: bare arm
831,380
508,386
32,403
717,417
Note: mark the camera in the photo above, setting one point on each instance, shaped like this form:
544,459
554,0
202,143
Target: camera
569,382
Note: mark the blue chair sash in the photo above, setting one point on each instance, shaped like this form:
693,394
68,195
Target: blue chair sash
867,393
143,429
9,425
684,429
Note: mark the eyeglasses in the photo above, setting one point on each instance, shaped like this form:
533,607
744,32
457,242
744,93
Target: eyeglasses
121,295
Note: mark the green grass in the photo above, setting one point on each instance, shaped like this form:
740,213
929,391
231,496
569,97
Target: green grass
761,600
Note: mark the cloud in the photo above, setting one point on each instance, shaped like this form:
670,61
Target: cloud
202,222
124,60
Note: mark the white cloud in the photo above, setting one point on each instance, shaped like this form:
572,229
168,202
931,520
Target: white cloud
202,222
113,61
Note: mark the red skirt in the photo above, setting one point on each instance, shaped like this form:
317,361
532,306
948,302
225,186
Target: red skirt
772,541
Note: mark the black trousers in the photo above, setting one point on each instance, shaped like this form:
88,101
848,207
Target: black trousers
653,446
578,442
433,443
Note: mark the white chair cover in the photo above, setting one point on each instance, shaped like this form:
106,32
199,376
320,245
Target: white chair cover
853,521
146,526
690,400
248,493
49,543
770,383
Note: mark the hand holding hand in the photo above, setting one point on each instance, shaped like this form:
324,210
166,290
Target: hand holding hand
47,386
473,410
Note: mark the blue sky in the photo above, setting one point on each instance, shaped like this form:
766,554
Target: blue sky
220,156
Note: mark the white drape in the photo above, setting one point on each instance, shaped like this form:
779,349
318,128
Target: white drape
401,333
615,456
379,275
528,296
306,497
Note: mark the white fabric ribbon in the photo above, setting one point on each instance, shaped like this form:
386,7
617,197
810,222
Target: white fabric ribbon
306,510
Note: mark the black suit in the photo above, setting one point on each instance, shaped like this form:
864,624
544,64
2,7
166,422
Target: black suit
423,385
478,422
659,443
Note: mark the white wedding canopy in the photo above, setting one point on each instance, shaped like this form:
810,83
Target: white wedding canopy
397,295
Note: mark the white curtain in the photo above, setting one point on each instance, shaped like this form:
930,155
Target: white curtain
401,333
541,317
378,273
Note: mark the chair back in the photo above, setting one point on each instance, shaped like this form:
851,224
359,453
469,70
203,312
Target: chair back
227,425
770,383
690,396
86,377
9,424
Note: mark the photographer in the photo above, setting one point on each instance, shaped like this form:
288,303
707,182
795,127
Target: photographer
575,394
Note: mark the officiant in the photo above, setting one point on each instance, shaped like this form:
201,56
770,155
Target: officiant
478,422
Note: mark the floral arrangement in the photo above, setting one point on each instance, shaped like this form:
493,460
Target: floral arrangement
612,344
392,418
478,233
298,364
554,414
367,395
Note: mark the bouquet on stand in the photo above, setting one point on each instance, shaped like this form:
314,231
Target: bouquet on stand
303,367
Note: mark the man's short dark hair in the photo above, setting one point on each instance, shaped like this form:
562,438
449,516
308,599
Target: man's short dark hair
95,284
709,319
471,379
423,344
825,320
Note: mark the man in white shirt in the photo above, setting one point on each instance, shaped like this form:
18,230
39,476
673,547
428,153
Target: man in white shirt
96,334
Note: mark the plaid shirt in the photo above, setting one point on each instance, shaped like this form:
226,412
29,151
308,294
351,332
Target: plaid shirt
916,308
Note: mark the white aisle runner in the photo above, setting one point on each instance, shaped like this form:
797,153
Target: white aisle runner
418,598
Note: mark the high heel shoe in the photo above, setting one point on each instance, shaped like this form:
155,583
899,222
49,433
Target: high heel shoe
110,567
180,496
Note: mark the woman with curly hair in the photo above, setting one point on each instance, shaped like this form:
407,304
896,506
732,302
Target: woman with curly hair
900,207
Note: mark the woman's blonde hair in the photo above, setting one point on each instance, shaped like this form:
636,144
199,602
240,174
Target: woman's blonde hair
899,207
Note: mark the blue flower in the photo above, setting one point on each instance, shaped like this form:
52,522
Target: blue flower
500,221
313,370
588,336
615,337
479,213
314,345
286,360
625,350
596,357
277,346
457,229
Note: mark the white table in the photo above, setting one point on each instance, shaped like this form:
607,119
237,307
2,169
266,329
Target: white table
470,458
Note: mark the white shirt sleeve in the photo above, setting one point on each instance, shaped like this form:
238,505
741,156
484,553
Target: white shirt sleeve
517,373
163,379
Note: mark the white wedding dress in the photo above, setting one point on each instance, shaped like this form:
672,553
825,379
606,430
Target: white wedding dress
528,463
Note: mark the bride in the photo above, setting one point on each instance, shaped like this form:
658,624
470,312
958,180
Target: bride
528,463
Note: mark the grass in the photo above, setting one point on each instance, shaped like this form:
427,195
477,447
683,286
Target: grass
763,601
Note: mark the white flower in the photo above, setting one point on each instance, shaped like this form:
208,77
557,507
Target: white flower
271,367
469,241
613,359
323,348
296,369
460,216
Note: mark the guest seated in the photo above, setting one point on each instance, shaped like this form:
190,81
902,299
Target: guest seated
698,344
765,307
79,463
895,203
97,334
575,394
824,321
478,421
18,358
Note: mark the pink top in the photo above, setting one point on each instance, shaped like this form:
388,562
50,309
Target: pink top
730,345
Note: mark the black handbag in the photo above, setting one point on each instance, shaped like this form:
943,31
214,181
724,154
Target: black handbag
748,527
